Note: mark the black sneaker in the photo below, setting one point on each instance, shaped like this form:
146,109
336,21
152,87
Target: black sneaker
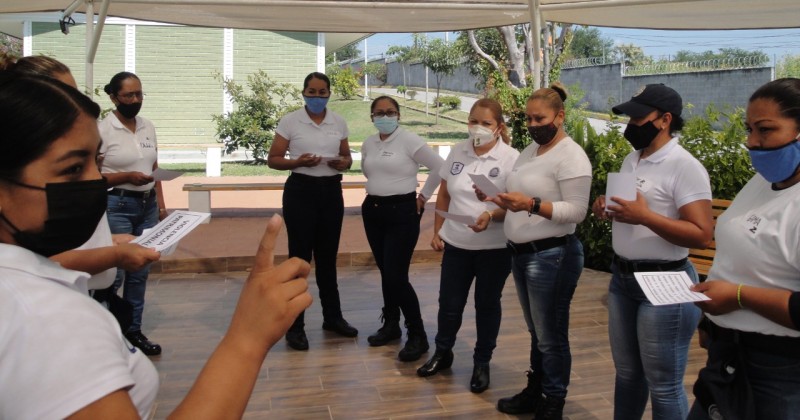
551,408
142,343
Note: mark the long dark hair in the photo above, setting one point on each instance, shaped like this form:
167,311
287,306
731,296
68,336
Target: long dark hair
36,111
784,92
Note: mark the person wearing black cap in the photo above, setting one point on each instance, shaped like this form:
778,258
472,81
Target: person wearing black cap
671,213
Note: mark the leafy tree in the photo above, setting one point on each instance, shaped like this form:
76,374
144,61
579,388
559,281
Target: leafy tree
10,46
631,55
724,53
344,81
788,66
589,42
258,109
442,59
343,54
376,70
404,55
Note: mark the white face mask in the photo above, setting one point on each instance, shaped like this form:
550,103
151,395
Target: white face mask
480,135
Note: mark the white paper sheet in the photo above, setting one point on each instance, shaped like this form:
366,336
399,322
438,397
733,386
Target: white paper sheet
171,230
622,185
668,287
165,174
485,185
458,218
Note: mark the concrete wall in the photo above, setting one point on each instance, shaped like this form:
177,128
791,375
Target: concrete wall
460,81
178,67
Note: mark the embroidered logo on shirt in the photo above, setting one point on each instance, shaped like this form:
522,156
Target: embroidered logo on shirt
494,172
752,222
456,168
386,153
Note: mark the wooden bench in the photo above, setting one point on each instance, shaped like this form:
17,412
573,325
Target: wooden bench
703,258
200,194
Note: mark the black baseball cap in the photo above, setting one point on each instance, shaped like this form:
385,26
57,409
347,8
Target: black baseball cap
650,98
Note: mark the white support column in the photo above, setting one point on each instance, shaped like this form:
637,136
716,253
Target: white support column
227,68
366,77
130,48
536,33
27,38
89,79
321,52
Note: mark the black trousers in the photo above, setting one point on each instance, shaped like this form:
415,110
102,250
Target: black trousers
392,227
313,209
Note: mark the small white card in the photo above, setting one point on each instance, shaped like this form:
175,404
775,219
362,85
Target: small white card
485,185
165,175
458,218
668,287
171,230
622,185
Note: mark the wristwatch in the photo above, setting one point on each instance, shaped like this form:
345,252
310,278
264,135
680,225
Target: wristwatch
536,203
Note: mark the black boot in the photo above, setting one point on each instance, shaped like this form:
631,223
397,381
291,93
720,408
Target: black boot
527,401
551,408
390,330
442,359
416,344
480,378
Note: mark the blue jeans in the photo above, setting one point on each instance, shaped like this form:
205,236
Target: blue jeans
546,281
392,228
489,268
650,345
775,382
132,215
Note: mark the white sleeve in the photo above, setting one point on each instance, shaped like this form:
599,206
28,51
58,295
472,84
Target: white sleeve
427,157
575,200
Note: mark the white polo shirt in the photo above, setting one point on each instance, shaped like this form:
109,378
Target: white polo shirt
59,349
391,166
306,136
758,244
101,238
496,165
124,151
669,179
541,176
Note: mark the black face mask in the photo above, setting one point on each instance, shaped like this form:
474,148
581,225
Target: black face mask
640,136
73,211
129,110
543,134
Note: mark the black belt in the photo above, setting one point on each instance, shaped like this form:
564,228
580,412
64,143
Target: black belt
536,246
626,266
308,179
772,344
391,199
135,194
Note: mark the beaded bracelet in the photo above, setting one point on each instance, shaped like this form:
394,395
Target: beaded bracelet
739,296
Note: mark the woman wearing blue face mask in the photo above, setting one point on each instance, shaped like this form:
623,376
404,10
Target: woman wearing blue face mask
671,213
754,283
316,142
391,213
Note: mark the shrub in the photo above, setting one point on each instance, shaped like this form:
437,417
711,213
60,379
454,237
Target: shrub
344,81
411,94
402,90
258,109
452,102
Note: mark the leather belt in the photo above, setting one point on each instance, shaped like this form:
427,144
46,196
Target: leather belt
626,266
772,344
537,245
392,199
134,194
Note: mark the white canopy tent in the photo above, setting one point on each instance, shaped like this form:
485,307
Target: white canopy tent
369,16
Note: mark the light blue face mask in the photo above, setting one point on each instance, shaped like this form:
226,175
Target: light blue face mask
316,104
385,124
778,164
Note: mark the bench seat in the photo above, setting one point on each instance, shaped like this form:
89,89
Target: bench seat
703,258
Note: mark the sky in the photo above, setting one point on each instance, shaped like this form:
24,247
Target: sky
774,42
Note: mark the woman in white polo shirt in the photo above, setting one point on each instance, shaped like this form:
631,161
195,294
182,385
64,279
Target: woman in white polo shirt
135,202
477,251
754,283
391,213
548,195
671,213
316,141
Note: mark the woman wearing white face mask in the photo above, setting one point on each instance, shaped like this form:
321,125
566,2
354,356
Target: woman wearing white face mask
391,213
477,251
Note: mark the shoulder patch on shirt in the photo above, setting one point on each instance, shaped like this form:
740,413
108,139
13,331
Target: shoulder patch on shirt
456,168
494,172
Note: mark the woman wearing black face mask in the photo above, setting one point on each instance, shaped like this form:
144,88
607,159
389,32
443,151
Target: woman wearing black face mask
548,195
671,213
135,203
61,354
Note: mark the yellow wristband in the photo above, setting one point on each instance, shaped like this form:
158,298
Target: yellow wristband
739,296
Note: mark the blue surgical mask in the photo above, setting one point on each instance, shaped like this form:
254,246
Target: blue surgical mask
316,104
777,164
385,124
